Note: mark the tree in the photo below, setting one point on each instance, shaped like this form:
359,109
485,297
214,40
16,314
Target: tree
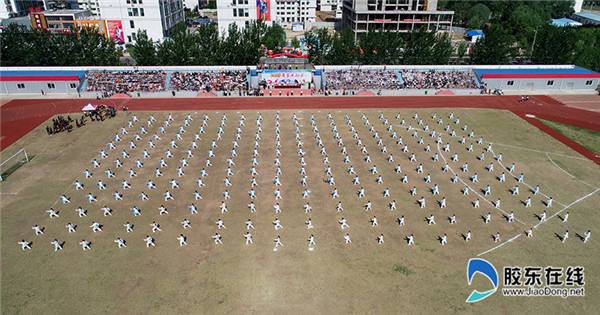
554,45
207,44
418,48
561,8
460,9
212,4
144,51
318,45
343,49
524,20
180,49
494,48
477,16
15,45
96,49
295,43
274,37
587,48
442,50
379,47
460,52
230,45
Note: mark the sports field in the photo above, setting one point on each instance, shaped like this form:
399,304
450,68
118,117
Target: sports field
330,276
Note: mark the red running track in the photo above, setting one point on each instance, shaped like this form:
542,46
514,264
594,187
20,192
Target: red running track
18,117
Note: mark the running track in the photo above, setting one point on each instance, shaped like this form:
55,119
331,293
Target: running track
19,117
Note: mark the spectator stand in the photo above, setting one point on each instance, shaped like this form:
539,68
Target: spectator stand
398,80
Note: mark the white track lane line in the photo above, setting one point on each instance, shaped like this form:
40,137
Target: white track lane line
536,226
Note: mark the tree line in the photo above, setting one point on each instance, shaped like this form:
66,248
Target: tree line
22,46
204,46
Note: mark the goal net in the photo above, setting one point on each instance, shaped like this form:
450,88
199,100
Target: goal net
13,163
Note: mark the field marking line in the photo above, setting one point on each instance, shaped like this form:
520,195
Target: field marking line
523,182
541,222
505,242
539,151
520,148
476,192
568,172
499,162
568,206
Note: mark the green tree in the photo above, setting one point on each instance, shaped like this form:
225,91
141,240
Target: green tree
295,43
477,16
418,48
524,20
560,8
494,48
83,47
460,52
212,4
207,44
554,45
274,37
180,49
96,49
343,49
144,51
442,50
318,45
587,48
461,9
380,47
67,50
230,45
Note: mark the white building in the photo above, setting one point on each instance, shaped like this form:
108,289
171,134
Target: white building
91,5
328,5
288,12
283,12
12,8
239,12
394,15
191,4
157,17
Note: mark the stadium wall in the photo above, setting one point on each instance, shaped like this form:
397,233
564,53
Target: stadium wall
63,86
560,84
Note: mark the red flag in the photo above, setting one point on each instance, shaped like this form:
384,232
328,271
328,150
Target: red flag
361,50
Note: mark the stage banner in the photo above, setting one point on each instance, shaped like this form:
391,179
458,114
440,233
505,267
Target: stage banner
286,77
263,10
115,30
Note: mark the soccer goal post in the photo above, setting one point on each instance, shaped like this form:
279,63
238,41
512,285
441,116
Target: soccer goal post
13,163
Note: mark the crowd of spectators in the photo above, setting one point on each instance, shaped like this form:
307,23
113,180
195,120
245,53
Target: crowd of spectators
209,81
60,124
434,79
108,83
356,79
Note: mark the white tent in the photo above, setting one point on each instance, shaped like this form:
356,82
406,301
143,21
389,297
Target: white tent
89,107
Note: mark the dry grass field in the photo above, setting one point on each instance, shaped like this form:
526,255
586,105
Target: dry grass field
331,276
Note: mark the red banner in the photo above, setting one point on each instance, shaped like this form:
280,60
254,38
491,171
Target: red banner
263,10
115,30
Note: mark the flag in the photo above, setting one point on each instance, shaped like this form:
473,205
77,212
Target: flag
361,50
